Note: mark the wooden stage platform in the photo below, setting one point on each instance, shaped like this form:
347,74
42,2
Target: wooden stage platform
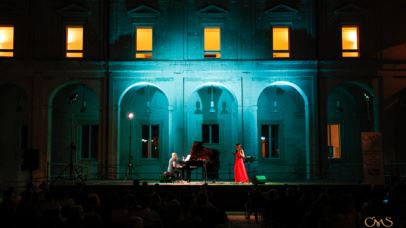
200,183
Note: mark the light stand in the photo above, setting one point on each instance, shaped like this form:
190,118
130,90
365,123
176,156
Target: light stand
129,172
74,174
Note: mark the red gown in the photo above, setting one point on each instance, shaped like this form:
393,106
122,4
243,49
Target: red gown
240,174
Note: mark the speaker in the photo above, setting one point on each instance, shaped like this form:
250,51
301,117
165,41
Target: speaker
30,159
259,179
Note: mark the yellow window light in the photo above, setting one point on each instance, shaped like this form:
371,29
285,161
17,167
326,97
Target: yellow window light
212,39
74,41
280,38
144,39
281,54
280,42
350,41
144,42
6,41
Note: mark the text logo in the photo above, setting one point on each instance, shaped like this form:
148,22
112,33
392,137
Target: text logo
376,222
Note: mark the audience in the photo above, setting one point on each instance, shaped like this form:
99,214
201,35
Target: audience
150,207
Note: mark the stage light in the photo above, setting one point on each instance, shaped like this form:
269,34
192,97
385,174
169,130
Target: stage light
129,171
259,179
130,115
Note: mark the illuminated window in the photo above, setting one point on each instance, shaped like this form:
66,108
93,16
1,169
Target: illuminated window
270,141
143,42
150,141
334,140
74,41
212,42
350,44
6,41
210,133
280,42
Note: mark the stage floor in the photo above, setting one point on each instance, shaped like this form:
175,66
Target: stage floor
200,183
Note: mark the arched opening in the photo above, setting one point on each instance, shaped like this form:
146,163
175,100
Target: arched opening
283,132
75,133
15,133
212,118
143,149
395,125
350,111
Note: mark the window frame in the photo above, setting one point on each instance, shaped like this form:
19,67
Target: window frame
90,146
12,51
210,133
83,41
211,54
135,33
358,50
269,141
289,50
160,128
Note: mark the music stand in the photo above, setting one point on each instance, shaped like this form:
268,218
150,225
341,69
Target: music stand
74,173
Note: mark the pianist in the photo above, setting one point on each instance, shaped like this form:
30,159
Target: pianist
173,165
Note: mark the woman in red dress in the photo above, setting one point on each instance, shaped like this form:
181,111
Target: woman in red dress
240,174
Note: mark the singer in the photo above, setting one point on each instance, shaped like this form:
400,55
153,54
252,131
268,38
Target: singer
240,173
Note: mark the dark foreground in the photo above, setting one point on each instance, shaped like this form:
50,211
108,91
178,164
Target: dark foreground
196,204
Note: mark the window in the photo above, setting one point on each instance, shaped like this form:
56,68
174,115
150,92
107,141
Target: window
90,141
334,140
74,41
144,42
210,133
270,141
350,44
6,41
212,42
280,42
150,141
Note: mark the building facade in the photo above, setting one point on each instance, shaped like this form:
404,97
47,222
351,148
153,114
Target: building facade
295,82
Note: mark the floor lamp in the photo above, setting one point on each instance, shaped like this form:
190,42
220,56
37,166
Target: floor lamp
129,172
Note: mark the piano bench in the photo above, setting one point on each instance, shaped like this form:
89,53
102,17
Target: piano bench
168,177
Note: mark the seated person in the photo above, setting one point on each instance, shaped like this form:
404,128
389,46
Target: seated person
173,165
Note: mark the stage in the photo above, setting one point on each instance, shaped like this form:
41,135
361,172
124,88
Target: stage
200,183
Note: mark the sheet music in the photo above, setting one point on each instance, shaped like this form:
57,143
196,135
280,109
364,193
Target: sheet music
187,158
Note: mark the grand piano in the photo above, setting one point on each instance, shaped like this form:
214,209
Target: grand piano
200,156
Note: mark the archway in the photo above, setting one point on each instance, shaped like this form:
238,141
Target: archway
143,149
351,110
212,117
75,132
15,137
283,129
